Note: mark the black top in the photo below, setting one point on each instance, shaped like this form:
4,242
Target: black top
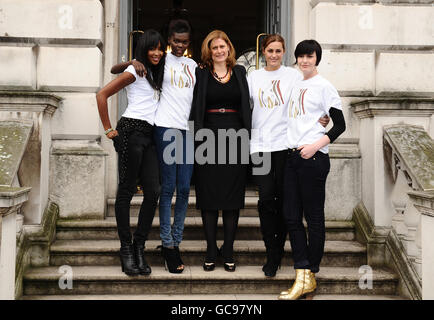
198,107
223,95
338,124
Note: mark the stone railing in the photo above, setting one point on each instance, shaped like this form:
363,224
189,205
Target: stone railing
14,138
11,200
409,157
36,108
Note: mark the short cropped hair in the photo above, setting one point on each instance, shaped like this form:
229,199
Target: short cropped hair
179,26
206,49
308,47
272,38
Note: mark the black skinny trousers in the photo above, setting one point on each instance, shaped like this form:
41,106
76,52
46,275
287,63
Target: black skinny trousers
304,192
270,205
141,168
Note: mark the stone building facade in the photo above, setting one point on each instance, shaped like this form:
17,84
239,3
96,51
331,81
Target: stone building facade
378,54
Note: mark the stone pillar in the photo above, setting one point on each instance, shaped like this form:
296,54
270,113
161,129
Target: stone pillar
11,200
34,170
424,203
77,178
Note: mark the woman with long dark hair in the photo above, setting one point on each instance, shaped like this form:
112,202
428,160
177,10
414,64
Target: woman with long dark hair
307,166
221,102
133,141
171,126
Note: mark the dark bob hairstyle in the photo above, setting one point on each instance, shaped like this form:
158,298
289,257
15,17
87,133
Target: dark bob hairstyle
308,47
151,40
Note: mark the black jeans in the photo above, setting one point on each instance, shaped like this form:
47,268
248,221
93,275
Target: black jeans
304,192
270,205
138,164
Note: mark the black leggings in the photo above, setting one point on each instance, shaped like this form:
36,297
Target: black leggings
138,165
230,225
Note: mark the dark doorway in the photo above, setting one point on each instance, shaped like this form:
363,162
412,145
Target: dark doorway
242,20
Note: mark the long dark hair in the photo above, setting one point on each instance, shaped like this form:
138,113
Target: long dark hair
150,40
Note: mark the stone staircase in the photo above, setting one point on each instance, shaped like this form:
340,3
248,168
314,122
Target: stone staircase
91,248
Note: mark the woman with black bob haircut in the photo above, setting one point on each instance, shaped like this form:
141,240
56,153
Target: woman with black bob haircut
135,147
270,89
307,166
308,47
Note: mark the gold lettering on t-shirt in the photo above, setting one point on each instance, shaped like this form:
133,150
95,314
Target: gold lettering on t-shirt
272,96
181,78
296,109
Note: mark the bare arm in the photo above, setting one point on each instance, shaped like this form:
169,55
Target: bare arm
138,66
110,89
324,121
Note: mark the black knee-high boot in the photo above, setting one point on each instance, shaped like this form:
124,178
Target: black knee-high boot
269,226
281,232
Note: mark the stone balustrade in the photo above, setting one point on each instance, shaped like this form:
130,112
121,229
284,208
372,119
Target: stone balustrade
409,157
11,200
36,108
424,203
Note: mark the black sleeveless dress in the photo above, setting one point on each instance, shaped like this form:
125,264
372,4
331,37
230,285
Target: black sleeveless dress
221,185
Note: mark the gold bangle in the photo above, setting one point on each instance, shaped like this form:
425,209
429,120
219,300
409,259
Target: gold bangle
108,131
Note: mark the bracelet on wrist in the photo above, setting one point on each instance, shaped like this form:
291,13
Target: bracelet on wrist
108,131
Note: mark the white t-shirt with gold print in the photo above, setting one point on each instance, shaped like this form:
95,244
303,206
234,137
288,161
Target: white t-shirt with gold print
269,93
309,101
177,92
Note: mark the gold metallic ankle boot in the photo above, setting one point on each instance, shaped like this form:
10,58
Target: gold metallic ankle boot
310,282
304,283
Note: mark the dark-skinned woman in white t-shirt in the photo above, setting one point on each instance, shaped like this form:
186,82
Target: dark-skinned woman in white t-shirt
171,124
307,166
269,89
133,141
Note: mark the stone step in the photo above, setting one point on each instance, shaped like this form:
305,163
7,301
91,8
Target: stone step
250,210
106,252
213,297
97,280
248,229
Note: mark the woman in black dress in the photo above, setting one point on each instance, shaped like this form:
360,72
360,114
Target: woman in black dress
221,105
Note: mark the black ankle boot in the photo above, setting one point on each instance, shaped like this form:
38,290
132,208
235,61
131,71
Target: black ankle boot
178,256
128,263
139,254
270,268
171,262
